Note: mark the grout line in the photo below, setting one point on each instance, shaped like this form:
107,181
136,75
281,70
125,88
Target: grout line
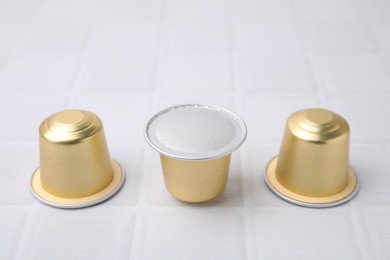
10,57
12,53
247,211
160,54
84,59
356,215
238,94
317,74
367,27
140,224
27,223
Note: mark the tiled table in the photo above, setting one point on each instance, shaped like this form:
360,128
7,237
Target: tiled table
126,60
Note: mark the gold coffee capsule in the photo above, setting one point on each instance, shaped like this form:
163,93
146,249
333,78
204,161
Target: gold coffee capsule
312,168
195,143
75,167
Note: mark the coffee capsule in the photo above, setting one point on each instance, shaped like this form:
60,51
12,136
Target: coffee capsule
312,168
195,143
75,167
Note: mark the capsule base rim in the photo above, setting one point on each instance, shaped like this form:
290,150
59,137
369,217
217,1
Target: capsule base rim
74,203
278,189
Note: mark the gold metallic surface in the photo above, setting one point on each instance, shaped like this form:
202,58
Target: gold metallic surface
95,198
195,181
303,200
201,176
75,166
312,167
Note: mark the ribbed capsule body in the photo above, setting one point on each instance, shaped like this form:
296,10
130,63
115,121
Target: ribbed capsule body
75,165
313,169
195,181
195,142
313,163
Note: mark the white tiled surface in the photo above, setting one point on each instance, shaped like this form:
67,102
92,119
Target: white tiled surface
127,59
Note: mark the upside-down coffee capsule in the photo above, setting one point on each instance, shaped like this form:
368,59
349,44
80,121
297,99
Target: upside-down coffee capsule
312,168
75,167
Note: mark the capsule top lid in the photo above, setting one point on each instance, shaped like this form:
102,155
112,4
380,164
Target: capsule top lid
70,126
195,132
317,124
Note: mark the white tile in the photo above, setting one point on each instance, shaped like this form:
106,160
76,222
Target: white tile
14,175
254,165
263,11
11,229
211,235
375,11
22,113
132,58
379,231
114,71
305,234
3,63
55,36
174,98
9,33
140,37
42,71
66,11
329,11
276,73
124,115
197,72
339,37
81,234
159,196
381,33
265,38
131,11
386,58
16,10
366,116
204,11
266,114
131,158
355,72
371,166
198,37
15,189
